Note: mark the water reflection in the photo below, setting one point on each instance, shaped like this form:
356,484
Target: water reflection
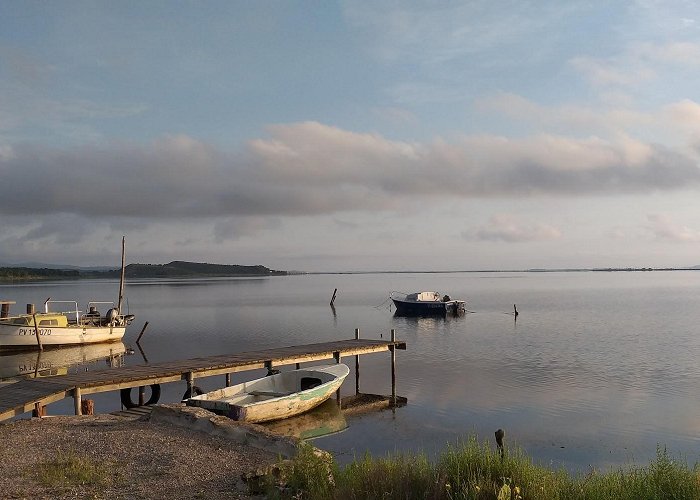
324,420
59,361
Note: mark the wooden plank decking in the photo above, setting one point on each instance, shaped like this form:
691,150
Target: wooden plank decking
22,396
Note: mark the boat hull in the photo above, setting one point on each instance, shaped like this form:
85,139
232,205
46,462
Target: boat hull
24,337
275,397
428,308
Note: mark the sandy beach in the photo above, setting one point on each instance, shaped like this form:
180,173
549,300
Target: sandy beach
144,459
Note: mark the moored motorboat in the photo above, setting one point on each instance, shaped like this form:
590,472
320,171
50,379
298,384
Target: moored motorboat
426,303
62,323
276,396
69,326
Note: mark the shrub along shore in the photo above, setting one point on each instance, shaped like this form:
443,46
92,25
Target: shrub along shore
470,470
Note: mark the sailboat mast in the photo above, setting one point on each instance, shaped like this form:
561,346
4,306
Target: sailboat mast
121,278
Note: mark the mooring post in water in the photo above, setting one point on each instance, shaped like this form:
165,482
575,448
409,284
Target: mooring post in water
38,363
357,365
143,330
36,332
333,299
228,380
515,311
77,401
297,366
142,395
392,348
500,434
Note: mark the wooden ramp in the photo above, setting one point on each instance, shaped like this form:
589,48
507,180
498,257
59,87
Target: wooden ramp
28,394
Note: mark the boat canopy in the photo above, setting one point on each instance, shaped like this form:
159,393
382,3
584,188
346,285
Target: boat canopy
424,296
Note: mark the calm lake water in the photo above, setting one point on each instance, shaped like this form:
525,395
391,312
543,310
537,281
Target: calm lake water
599,369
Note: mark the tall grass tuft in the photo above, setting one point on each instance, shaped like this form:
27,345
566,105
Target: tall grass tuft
469,470
69,469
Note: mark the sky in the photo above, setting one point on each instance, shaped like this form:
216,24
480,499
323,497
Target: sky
351,135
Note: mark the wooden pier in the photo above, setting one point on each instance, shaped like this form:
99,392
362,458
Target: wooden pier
33,394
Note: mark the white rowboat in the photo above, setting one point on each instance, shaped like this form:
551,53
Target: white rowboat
276,396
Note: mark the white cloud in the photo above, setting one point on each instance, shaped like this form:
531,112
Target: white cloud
601,72
574,117
508,228
664,228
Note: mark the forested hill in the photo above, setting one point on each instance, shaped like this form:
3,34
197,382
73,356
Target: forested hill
193,269
30,273
175,269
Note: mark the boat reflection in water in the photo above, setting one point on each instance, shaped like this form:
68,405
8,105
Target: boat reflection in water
323,420
58,361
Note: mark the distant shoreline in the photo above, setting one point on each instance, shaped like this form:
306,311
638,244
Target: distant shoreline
180,270
589,270
175,269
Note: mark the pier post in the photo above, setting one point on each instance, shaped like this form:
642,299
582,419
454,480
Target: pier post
392,348
39,410
190,383
228,380
336,356
357,365
77,401
87,407
5,308
142,395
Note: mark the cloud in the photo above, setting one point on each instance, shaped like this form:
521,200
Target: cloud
507,228
311,168
565,116
663,228
678,53
637,63
420,32
604,72
234,228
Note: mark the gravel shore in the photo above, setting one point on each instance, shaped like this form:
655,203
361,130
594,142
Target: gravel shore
145,459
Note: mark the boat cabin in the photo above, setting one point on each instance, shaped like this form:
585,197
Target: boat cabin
424,297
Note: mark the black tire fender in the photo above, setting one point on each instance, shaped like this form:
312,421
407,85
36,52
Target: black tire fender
125,395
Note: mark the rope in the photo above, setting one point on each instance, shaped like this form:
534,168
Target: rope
382,304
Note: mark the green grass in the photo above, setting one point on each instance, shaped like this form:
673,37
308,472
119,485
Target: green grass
69,469
470,470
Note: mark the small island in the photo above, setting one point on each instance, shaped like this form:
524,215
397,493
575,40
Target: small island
175,269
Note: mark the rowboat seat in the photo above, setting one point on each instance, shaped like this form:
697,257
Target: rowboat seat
270,393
